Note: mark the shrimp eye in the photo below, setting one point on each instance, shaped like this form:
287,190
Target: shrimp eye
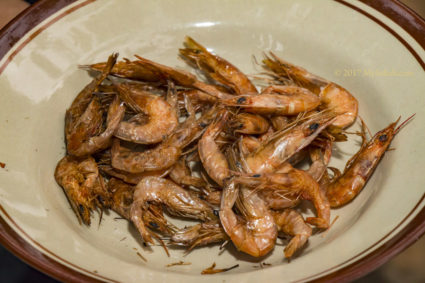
215,211
256,175
314,126
383,138
241,100
153,225
202,125
81,208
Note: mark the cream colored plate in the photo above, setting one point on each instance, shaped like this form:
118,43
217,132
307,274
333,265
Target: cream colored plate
325,37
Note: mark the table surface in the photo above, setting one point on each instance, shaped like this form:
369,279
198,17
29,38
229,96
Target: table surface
406,267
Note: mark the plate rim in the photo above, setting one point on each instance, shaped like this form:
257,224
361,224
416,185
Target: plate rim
31,17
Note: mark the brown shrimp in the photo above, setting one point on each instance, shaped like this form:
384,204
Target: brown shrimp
216,67
85,96
250,124
162,120
256,234
165,154
285,100
130,178
294,181
181,175
85,138
361,166
174,198
285,144
122,197
212,158
83,186
332,96
292,223
201,234
182,78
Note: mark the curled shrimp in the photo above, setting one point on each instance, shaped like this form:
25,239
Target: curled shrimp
361,166
82,185
256,234
85,96
217,68
175,199
285,144
292,223
251,124
165,154
201,234
284,100
212,158
332,96
162,117
294,181
80,142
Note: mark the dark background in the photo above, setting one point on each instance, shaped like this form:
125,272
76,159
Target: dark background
409,266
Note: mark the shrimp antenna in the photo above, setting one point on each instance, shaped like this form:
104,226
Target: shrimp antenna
403,124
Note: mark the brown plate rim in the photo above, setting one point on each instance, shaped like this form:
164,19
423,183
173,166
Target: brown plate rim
399,13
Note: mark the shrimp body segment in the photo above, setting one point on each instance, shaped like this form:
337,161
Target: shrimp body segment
256,234
175,199
162,118
292,223
359,169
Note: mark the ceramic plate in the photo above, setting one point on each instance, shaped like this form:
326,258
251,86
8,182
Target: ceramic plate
375,49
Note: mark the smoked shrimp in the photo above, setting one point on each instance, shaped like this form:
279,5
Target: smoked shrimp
122,197
217,68
292,223
165,154
181,175
83,186
284,100
361,166
175,199
275,152
162,120
81,142
332,96
256,233
293,182
212,158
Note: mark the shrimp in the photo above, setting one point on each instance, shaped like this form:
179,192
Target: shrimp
212,158
85,96
284,100
201,234
278,200
251,124
165,154
181,175
182,78
129,70
80,142
256,234
122,197
294,181
216,67
320,158
332,96
82,185
163,118
361,166
292,223
130,178
175,199
285,144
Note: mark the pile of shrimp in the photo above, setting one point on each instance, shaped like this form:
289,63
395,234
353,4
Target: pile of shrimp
145,139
